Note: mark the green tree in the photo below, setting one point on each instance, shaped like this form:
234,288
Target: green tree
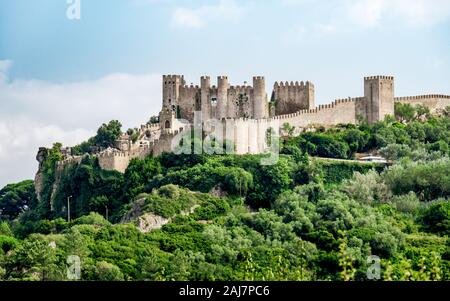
107,134
34,258
138,175
436,218
422,111
238,181
404,112
17,198
105,271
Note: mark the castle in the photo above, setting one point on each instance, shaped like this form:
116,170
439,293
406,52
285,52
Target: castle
226,101
247,113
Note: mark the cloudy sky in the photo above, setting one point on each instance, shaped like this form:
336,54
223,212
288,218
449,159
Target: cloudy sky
61,78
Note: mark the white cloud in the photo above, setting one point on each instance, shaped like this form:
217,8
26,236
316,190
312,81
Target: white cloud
303,34
325,28
407,12
199,17
366,12
37,113
343,16
4,67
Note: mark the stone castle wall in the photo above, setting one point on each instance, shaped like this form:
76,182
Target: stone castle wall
221,101
243,114
293,97
340,111
434,102
113,159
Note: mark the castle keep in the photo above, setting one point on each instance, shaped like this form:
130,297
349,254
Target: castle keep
251,102
221,101
248,114
227,101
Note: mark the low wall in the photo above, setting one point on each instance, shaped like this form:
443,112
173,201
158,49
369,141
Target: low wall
114,161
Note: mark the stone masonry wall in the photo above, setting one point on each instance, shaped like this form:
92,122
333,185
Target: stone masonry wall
434,102
340,111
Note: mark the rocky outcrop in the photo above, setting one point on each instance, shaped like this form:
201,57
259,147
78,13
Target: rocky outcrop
39,178
217,191
148,221
145,222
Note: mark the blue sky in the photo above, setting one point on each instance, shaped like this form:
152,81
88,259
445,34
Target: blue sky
60,78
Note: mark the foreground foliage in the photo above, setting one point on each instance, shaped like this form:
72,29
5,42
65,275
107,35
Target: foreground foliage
304,218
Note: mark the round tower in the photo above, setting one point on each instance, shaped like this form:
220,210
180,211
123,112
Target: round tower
259,98
222,97
205,86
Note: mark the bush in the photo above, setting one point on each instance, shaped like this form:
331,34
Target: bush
407,203
105,271
436,218
169,191
366,188
428,179
5,229
169,201
7,243
384,245
92,219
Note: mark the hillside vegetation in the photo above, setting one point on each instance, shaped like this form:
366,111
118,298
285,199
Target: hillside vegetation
304,218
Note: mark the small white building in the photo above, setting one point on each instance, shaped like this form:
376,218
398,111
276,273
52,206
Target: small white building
375,159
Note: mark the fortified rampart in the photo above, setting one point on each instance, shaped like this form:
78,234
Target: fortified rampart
221,101
435,102
293,97
243,116
340,111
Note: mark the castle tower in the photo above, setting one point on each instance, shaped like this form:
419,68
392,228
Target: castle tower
310,99
378,97
171,90
205,97
259,98
167,120
222,97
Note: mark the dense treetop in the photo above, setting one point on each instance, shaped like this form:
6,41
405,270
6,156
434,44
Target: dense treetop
231,218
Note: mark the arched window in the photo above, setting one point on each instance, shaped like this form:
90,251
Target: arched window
167,124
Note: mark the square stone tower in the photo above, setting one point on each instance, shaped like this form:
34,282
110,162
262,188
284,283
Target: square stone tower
171,90
378,97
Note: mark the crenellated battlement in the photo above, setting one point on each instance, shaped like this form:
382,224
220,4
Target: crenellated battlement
190,87
241,89
290,97
292,102
170,78
151,127
321,107
379,77
417,97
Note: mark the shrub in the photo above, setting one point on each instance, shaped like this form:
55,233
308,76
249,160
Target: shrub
7,243
407,203
92,219
366,188
436,218
105,271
